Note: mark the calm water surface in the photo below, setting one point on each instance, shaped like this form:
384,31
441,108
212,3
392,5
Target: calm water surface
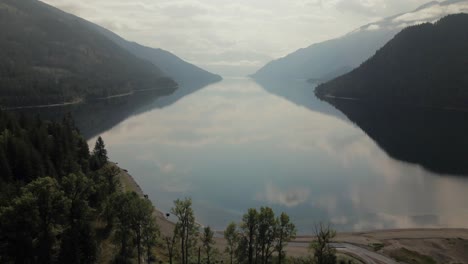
235,145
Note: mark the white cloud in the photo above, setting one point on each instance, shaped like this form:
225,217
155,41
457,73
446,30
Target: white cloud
373,27
432,13
201,31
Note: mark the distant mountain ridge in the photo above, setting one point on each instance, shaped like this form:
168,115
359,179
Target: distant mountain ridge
183,72
424,65
326,60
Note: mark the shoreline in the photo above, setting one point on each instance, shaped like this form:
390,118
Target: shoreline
426,241
380,232
81,100
129,184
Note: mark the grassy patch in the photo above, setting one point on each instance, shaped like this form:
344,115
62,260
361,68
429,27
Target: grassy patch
411,257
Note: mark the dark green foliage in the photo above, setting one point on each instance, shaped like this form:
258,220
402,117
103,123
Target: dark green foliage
232,238
149,238
78,242
208,243
249,236
185,227
135,227
261,234
30,148
32,222
424,65
267,231
286,231
49,198
99,157
48,56
106,183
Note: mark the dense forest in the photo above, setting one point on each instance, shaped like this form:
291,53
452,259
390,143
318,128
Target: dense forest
48,56
424,65
59,203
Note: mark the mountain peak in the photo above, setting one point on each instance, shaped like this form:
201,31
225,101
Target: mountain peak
350,50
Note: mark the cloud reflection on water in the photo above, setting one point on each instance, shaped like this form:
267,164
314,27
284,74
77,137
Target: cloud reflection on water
234,146
289,197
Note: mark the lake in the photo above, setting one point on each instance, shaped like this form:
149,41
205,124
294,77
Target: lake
239,144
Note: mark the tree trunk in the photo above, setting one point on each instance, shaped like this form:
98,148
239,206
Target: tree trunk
139,247
170,248
183,247
187,246
148,255
280,249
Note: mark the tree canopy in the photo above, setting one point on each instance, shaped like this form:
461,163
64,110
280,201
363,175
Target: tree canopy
54,206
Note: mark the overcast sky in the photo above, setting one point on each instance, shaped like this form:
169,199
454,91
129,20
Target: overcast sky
232,37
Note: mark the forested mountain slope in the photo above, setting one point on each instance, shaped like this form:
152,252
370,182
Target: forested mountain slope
181,71
48,56
424,65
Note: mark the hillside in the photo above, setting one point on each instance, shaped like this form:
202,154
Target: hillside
424,65
183,72
48,56
327,60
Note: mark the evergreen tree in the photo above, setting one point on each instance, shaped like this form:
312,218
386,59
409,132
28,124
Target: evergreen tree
99,157
208,242
232,237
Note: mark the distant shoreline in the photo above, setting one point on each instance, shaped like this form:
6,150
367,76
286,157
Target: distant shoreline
81,100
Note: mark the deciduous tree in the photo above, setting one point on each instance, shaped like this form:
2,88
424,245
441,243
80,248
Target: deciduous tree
285,232
323,252
187,229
